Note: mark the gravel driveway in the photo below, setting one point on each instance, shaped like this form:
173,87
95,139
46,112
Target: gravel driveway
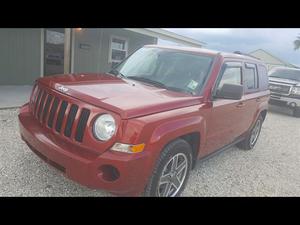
271,169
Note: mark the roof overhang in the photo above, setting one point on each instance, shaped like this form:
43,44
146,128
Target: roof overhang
167,35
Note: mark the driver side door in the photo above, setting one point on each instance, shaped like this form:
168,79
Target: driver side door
226,113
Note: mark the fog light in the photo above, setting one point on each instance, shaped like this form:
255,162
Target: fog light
109,173
293,104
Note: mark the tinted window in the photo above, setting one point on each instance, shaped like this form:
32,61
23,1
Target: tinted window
263,77
291,74
250,76
231,75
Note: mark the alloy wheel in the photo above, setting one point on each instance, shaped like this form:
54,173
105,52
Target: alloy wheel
173,176
255,132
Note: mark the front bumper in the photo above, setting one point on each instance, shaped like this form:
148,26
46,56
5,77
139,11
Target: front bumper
86,169
284,101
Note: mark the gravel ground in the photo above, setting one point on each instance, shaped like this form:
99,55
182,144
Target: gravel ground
271,169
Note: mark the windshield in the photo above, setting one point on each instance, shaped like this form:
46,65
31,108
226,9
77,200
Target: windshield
174,70
286,74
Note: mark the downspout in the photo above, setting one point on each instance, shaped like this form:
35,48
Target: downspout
100,48
42,52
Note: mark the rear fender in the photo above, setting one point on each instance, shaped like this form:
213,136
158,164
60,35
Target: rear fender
262,106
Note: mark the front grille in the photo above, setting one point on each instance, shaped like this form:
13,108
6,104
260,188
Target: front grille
51,111
61,114
280,88
81,124
70,120
277,102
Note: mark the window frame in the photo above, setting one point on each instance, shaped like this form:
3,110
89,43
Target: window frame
110,60
256,78
228,64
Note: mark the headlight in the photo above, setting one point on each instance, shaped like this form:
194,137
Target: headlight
104,127
295,90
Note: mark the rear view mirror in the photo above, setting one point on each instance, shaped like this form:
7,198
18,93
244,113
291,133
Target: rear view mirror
230,91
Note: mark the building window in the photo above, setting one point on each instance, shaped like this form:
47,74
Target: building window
118,49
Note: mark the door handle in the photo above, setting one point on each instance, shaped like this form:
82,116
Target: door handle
240,104
258,99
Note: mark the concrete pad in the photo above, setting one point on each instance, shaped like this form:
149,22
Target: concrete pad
12,96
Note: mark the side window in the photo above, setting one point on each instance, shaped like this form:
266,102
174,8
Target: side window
263,77
231,75
250,77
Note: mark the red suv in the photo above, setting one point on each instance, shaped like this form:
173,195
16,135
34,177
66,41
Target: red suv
139,129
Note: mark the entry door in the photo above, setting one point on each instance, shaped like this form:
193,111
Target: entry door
54,41
226,114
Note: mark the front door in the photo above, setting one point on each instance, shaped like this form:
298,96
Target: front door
226,113
54,41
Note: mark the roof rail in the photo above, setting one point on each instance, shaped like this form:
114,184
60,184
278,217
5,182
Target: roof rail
241,53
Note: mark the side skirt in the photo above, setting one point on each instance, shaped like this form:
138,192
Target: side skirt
218,151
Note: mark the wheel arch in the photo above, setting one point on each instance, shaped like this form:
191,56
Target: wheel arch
263,113
192,130
193,139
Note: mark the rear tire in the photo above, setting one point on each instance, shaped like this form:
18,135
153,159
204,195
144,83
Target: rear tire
296,112
249,142
172,170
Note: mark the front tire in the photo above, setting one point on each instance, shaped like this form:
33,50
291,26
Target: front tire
296,112
171,171
249,142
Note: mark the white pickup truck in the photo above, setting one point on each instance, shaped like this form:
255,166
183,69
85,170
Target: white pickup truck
284,85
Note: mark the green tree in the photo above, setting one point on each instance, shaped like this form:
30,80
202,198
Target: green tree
297,43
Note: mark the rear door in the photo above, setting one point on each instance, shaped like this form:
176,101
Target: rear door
251,96
226,113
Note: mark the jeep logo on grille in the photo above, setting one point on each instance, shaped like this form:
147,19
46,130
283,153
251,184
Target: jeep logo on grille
61,88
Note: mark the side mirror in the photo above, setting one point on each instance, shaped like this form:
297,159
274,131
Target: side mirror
230,91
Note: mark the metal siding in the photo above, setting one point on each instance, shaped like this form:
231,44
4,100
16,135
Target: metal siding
20,55
96,60
87,60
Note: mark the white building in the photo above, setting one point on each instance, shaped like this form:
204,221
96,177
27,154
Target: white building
29,53
270,60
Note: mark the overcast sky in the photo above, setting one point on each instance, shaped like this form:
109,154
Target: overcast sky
277,41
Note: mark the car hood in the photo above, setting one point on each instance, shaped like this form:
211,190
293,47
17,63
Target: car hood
284,81
126,97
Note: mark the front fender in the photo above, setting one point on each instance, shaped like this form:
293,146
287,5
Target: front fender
168,131
157,130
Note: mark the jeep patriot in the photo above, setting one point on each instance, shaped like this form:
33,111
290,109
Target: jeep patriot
140,128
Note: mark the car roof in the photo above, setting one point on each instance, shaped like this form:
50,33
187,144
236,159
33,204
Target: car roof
207,52
285,68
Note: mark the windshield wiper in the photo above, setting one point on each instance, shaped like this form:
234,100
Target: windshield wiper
147,80
116,72
158,84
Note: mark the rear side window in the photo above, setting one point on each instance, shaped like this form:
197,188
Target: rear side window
263,77
250,77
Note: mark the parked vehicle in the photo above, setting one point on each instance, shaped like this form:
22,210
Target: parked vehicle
284,84
139,129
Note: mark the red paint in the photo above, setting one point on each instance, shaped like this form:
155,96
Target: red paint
143,114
